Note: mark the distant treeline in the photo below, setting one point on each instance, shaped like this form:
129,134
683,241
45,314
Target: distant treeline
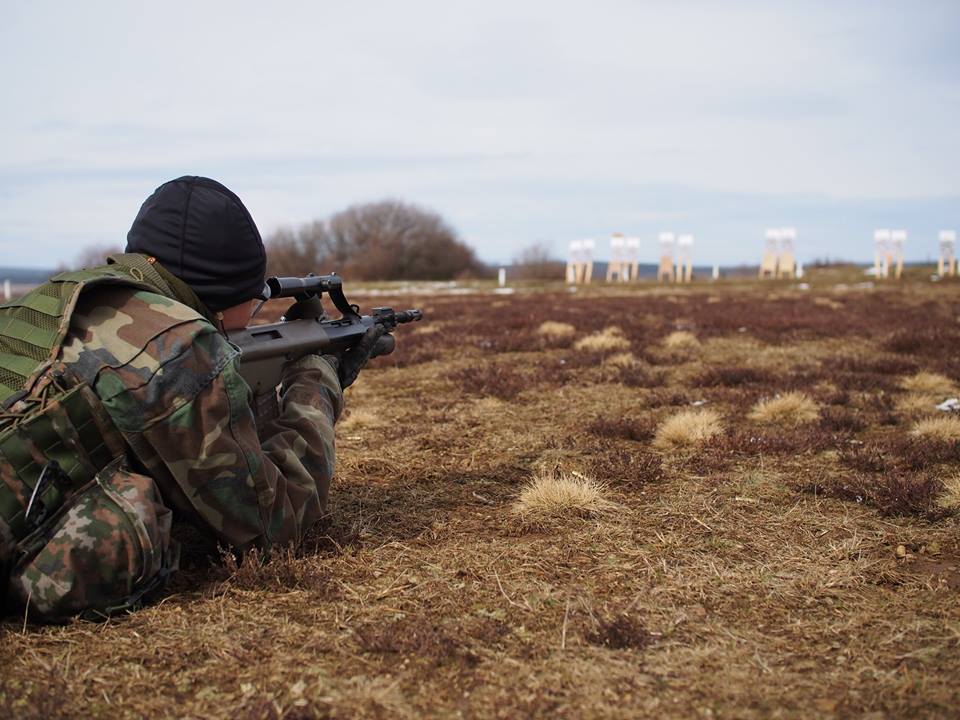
386,240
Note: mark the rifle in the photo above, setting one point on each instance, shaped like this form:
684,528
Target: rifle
304,328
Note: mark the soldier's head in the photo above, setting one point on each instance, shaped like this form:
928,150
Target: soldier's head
201,232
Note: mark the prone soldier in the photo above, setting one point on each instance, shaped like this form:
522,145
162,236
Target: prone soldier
122,406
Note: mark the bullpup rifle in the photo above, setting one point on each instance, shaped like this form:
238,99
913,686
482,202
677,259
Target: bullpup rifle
304,328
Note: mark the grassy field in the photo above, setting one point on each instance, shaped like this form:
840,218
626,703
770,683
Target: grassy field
730,500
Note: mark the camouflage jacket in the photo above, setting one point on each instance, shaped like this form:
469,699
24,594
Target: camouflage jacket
170,382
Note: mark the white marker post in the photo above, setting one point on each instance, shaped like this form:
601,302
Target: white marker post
665,271
771,250
881,243
897,240
787,259
617,264
947,264
502,277
7,290
684,258
588,247
573,262
633,257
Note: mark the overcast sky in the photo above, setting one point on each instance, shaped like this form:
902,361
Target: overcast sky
517,121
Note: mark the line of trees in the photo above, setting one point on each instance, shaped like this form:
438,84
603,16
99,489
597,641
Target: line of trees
386,240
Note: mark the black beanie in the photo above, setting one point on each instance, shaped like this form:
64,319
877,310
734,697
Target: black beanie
201,232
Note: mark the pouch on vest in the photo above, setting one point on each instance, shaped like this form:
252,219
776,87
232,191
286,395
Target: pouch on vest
106,551
49,448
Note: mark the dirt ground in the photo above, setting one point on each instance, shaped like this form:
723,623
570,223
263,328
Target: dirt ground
798,562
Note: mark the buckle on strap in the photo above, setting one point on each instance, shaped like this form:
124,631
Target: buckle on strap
37,511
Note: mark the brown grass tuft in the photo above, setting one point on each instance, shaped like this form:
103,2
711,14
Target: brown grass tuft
610,339
681,340
945,429
622,360
790,409
914,405
633,372
556,330
950,499
687,429
554,495
928,383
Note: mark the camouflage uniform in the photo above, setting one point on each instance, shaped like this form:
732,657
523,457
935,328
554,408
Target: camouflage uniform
170,383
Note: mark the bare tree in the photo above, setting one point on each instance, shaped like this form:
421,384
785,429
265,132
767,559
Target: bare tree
296,252
386,240
536,262
90,256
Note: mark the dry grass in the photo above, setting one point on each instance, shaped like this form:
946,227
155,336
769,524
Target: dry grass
681,341
555,495
789,410
610,339
944,429
950,499
828,303
809,572
621,360
356,419
556,330
913,405
687,429
929,383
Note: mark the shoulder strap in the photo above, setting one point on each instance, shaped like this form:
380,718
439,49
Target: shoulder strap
32,328
147,269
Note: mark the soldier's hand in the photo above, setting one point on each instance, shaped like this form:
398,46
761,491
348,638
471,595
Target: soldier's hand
375,341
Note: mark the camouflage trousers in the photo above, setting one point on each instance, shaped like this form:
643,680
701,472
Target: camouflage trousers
106,550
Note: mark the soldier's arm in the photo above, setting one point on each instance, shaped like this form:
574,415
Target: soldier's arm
192,427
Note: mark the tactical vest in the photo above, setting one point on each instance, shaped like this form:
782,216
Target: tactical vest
55,435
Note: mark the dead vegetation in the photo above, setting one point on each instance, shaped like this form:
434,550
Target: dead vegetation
557,333
928,383
945,429
553,495
608,340
687,429
682,342
788,410
678,561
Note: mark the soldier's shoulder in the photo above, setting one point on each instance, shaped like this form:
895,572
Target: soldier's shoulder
112,325
145,305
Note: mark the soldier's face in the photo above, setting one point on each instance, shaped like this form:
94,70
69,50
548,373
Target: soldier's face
237,317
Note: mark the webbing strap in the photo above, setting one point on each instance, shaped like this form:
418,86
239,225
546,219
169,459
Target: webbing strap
46,304
149,270
15,328
17,363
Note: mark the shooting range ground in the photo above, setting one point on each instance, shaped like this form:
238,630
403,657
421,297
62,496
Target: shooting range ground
734,504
